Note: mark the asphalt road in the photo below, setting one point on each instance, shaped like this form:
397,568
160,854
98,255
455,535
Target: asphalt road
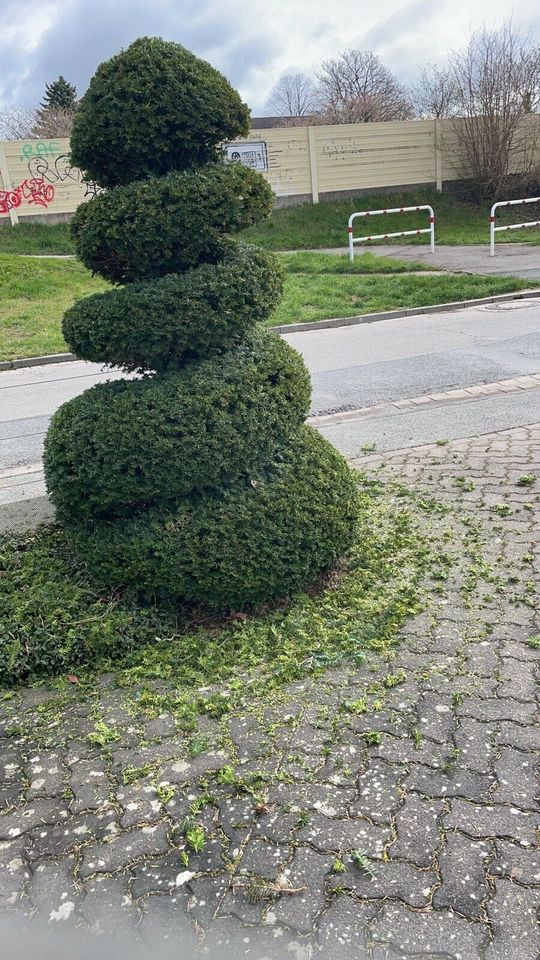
352,367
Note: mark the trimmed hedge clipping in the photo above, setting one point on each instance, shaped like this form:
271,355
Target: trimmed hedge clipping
197,480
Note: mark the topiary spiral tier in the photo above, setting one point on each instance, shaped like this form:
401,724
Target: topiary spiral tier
198,480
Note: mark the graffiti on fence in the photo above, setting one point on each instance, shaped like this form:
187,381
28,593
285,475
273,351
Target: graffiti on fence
35,191
61,171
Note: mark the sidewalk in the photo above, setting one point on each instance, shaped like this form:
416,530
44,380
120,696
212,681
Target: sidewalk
437,786
510,260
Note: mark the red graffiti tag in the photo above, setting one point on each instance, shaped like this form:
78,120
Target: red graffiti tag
35,191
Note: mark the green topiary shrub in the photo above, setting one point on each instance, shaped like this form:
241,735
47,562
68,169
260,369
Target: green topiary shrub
195,314
121,444
154,107
197,481
258,539
154,227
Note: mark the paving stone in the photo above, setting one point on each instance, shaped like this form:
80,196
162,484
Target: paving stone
159,727
28,817
309,739
227,939
207,894
496,708
107,907
279,824
405,750
343,930
47,774
328,834
516,863
212,857
140,803
60,839
428,934
482,657
513,914
393,722
463,865
158,875
307,874
248,737
265,859
237,817
435,717
53,891
185,771
417,826
475,740
330,800
517,779
518,679
392,879
516,735
165,921
124,849
14,872
489,820
457,782
90,784
379,793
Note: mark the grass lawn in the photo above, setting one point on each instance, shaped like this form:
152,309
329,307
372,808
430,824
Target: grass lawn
36,238
311,296
35,293
33,296
325,224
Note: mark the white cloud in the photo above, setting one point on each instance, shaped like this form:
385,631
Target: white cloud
253,43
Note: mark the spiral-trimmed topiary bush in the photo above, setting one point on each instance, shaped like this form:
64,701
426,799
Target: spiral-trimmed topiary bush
194,314
198,480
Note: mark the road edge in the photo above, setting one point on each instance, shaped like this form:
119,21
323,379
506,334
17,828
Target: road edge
333,322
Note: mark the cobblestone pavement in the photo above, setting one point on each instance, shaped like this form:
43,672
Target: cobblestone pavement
406,826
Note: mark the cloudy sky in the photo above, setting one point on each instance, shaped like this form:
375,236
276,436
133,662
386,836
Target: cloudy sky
253,42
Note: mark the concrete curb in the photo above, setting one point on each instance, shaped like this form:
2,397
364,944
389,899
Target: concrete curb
323,324
37,361
406,312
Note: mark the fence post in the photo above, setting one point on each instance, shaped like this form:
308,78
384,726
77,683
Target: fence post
4,171
438,155
313,164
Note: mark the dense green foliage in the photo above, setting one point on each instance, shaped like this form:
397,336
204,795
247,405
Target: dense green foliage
123,444
195,313
59,94
198,482
153,108
258,539
167,225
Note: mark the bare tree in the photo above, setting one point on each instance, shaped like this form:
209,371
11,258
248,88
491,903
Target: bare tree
54,122
496,89
434,95
356,87
294,95
17,123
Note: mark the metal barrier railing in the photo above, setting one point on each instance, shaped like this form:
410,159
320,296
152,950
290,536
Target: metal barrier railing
511,226
387,236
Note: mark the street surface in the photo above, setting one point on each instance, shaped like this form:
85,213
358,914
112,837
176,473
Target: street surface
352,367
